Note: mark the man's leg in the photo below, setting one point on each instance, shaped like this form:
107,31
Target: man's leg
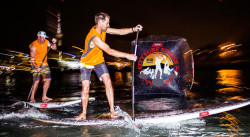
45,90
85,76
109,91
85,99
47,77
33,92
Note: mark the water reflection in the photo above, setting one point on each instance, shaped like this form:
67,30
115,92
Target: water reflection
7,84
10,81
118,78
121,78
158,104
230,80
230,122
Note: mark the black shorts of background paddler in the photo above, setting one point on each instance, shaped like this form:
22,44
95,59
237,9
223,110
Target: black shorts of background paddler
45,72
99,69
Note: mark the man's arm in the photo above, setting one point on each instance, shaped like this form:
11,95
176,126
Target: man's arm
124,31
105,47
53,46
32,57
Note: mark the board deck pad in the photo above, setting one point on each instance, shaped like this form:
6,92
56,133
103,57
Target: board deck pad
101,119
53,104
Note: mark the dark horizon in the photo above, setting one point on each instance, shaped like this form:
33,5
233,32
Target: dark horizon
201,22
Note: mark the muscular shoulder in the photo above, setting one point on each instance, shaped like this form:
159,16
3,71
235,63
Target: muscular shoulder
32,48
32,45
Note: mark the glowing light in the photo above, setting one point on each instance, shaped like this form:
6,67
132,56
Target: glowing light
228,90
73,56
228,53
19,54
230,122
203,51
190,94
7,68
237,98
7,55
69,64
118,78
231,79
196,50
190,51
226,45
81,50
118,65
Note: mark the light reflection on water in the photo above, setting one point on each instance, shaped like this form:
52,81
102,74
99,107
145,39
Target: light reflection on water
230,122
118,77
230,80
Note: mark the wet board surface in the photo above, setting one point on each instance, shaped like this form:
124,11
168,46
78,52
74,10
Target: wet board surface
56,104
72,121
100,119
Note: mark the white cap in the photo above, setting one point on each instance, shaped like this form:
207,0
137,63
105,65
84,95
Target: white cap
42,34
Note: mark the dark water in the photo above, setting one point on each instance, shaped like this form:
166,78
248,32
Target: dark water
210,87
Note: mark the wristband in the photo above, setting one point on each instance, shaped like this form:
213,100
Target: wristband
133,29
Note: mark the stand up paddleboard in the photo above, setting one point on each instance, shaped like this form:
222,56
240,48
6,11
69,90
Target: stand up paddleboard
151,120
192,115
56,104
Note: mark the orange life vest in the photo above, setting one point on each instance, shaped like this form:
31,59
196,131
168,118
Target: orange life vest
92,56
41,50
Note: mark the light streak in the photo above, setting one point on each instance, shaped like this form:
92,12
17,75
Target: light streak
81,50
73,56
228,53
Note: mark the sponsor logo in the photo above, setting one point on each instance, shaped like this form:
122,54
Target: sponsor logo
43,105
157,45
202,114
158,66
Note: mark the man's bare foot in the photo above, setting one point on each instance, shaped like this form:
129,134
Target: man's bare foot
32,100
81,117
46,99
113,115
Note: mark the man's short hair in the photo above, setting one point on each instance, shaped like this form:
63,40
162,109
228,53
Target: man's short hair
101,16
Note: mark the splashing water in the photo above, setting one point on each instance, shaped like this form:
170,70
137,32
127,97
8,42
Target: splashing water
127,118
24,113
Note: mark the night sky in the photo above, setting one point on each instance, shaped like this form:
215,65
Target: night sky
201,22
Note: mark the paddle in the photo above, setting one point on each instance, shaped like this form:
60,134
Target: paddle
133,88
38,72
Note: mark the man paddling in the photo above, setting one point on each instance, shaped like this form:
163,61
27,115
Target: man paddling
92,59
39,65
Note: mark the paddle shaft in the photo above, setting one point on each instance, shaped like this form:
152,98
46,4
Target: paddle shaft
133,79
38,72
